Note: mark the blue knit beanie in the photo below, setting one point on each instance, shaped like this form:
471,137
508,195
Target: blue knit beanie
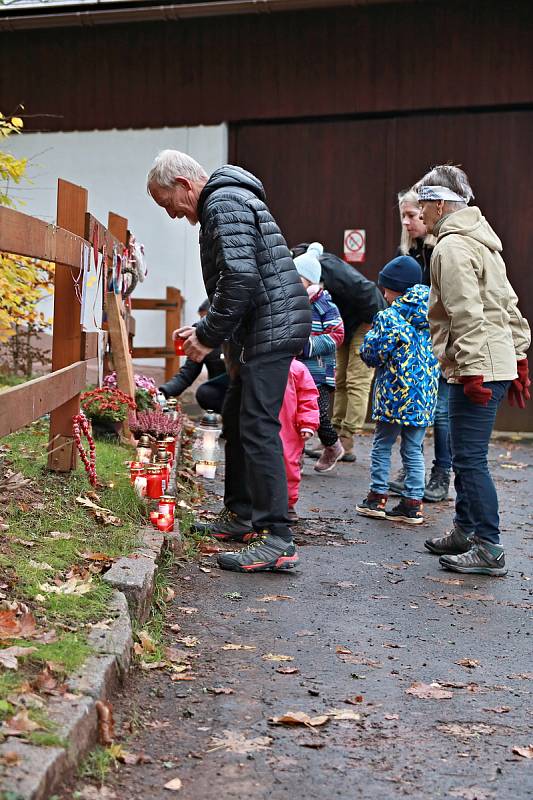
308,265
400,274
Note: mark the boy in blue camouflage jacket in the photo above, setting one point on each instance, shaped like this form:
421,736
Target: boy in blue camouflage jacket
405,390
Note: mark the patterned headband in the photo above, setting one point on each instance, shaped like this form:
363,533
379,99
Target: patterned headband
439,193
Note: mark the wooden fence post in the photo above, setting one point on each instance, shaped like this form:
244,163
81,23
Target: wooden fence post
172,321
67,338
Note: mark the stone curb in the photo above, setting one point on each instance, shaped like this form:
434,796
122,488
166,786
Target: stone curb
42,769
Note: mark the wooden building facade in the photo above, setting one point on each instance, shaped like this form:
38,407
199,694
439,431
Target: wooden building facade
336,108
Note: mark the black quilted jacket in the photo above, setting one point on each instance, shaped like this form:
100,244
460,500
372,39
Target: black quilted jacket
257,298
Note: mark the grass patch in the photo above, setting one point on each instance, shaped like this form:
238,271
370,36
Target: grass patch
47,534
97,765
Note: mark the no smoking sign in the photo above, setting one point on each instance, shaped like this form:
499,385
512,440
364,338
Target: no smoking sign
355,245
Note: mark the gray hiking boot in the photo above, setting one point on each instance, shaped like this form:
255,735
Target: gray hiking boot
438,485
453,543
397,485
265,553
483,558
329,457
226,526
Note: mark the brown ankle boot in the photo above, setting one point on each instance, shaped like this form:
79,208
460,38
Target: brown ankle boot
347,442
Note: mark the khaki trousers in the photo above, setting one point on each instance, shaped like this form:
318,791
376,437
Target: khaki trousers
352,385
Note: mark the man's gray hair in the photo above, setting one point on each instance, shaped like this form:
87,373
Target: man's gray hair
453,178
171,164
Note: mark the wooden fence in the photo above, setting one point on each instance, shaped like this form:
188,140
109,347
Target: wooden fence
172,305
64,244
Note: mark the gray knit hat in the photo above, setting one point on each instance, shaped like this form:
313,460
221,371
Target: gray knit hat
308,265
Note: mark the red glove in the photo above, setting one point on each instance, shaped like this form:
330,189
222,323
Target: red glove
474,389
519,389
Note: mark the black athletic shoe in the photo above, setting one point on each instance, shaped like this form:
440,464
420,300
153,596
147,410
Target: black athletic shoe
226,526
373,505
483,558
266,553
397,485
407,510
453,543
438,485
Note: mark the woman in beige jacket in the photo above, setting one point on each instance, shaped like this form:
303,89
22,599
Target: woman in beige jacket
480,339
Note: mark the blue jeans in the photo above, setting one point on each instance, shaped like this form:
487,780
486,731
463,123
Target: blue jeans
476,506
412,455
441,432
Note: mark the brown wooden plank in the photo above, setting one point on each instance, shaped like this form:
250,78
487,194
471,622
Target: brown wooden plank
67,338
104,234
153,304
172,322
152,352
28,236
89,345
23,404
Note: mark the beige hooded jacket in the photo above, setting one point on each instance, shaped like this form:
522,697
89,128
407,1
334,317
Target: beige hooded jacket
475,323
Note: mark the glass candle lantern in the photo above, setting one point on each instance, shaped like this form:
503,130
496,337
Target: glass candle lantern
154,482
172,408
144,449
170,444
206,449
136,470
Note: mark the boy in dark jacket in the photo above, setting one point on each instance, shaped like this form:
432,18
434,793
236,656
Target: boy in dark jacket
210,394
405,391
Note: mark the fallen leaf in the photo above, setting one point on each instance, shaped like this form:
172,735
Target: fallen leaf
472,792
59,535
236,742
41,565
97,557
344,714
145,644
8,656
187,609
477,596
106,723
181,677
72,586
353,701
353,659
96,793
469,663
523,676
189,641
169,594
343,650
209,549
103,515
466,730
273,657
16,627
175,628
149,665
393,646
230,646
19,725
305,633
44,681
174,785
272,598
288,670
448,581
525,752
220,690
346,585
499,709
10,758
429,691
300,718
391,716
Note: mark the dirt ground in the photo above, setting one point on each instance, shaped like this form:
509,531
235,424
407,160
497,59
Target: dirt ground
368,615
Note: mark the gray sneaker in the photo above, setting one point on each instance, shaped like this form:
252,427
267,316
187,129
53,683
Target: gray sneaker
453,543
329,457
483,558
438,485
397,485
265,553
226,526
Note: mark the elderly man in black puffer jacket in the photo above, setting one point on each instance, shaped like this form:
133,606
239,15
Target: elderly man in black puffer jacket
261,311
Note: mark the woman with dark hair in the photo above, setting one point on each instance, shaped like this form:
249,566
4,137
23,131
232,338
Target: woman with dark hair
480,339
418,243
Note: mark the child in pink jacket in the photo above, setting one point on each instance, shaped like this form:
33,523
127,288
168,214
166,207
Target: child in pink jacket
300,418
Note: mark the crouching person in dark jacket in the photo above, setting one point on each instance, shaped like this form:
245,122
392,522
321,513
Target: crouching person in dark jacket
260,309
211,393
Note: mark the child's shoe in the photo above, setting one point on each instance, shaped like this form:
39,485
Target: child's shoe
407,510
373,505
330,456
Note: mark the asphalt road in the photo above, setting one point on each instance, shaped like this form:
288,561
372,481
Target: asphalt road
369,614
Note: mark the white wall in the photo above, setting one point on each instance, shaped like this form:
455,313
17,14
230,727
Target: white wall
113,165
